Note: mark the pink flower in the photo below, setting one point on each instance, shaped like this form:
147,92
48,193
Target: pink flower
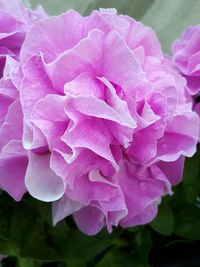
107,120
106,117
13,157
15,20
186,52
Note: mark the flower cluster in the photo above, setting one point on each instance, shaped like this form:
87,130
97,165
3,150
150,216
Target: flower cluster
95,118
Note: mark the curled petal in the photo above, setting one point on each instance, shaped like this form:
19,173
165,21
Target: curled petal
41,182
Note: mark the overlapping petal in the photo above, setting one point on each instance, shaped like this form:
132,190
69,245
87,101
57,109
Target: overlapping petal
106,119
15,20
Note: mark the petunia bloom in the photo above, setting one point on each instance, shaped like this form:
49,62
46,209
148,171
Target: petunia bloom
186,53
15,20
107,119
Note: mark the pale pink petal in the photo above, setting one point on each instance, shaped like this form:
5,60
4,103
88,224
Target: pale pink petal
84,85
41,182
11,129
82,164
13,164
180,138
119,64
145,37
86,56
90,220
90,133
32,88
138,184
173,170
50,32
64,207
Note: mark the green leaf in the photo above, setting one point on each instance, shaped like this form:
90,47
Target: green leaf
8,248
21,220
143,244
118,258
187,222
27,233
37,243
5,215
191,185
85,247
164,221
24,262
135,228
191,169
192,191
72,245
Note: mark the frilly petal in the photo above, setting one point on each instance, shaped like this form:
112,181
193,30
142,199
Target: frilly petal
41,182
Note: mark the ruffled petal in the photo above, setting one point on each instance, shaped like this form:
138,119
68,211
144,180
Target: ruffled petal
86,56
41,182
50,32
13,164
